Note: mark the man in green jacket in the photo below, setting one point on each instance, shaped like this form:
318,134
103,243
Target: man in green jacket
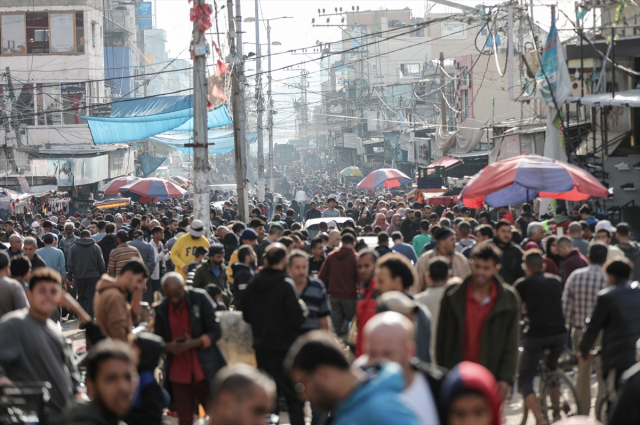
480,320
214,272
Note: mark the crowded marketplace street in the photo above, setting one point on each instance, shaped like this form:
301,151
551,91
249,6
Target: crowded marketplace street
418,215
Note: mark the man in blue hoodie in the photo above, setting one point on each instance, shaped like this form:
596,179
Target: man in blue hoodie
322,375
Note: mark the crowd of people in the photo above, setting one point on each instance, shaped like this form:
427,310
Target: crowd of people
404,314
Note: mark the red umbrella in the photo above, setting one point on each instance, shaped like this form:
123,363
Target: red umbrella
526,177
384,177
113,187
153,187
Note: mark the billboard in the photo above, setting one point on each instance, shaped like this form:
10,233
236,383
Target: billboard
145,16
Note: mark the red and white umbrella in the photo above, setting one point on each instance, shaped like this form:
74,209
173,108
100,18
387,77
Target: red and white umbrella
113,187
384,177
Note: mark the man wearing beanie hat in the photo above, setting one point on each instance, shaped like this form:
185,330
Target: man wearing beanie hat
446,247
247,237
214,272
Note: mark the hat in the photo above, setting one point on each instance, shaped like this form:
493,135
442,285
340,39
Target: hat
606,225
396,301
249,234
196,229
331,224
35,225
49,237
443,233
216,248
33,232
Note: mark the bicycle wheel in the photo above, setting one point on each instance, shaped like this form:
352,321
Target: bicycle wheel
601,410
558,397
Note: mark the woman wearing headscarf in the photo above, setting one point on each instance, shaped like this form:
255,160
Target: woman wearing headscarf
470,391
552,258
381,222
396,221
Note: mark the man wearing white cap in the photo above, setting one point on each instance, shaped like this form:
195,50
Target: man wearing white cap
184,250
604,234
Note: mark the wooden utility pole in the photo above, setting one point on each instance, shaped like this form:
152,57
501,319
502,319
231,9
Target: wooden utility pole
8,111
200,130
443,102
270,119
237,87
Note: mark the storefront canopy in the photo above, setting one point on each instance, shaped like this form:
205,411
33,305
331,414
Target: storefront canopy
222,140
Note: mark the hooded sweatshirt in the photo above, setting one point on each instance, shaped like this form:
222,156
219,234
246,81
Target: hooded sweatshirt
113,312
632,252
107,244
340,274
378,401
270,305
85,260
468,376
86,413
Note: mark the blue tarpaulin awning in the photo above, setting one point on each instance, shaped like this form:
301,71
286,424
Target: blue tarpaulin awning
223,140
135,120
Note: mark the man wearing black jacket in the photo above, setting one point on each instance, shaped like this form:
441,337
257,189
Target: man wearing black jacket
405,227
272,308
389,336
193,358
511,258
242,273
616,314
108,243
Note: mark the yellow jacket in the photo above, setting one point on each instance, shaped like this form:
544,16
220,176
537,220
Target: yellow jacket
183,251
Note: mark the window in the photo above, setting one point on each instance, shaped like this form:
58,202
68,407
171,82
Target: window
410,70
14,39
464,104
41,33
464,76
455,30
38,32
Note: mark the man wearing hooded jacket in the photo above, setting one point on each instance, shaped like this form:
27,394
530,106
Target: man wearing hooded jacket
272,308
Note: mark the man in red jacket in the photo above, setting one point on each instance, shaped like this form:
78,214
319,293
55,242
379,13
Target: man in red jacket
339,273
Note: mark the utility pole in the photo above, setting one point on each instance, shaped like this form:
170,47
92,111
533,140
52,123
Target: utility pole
8,111
200,131
260,107
443,110
237,87
270,100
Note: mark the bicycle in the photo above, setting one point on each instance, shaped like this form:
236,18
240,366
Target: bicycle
566,398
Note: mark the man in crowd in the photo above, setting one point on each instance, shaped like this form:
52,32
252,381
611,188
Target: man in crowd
121,254
111,383
183,252
187,322
419,241
272,308
617,316
541,296
313,212
400,247
573,259
69,238
575,233
275,233
147,252
318,367
446,248
33,349
113,313
480,320
511,259
100,231
316,259
85,266
630,248
389,336
579,296
15,245
243,270
340,276
464,241
311,291
535,234
108,242
331,211
438,277
29,248
241,395
214,272
12,293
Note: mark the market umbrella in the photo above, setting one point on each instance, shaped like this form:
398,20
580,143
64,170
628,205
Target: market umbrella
181,180
384,177
352,171
153,187
139,198
526,177
113,187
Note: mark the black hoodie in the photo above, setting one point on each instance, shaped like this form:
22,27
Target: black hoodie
149,403
242,275
107,244
632,252
272,308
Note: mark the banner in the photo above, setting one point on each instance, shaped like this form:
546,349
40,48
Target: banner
24,185
422,150
145,15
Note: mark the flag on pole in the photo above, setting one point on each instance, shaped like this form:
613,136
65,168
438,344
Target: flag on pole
221,68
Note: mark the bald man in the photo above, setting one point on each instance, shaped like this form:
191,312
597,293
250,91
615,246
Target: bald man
193,357
390,336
